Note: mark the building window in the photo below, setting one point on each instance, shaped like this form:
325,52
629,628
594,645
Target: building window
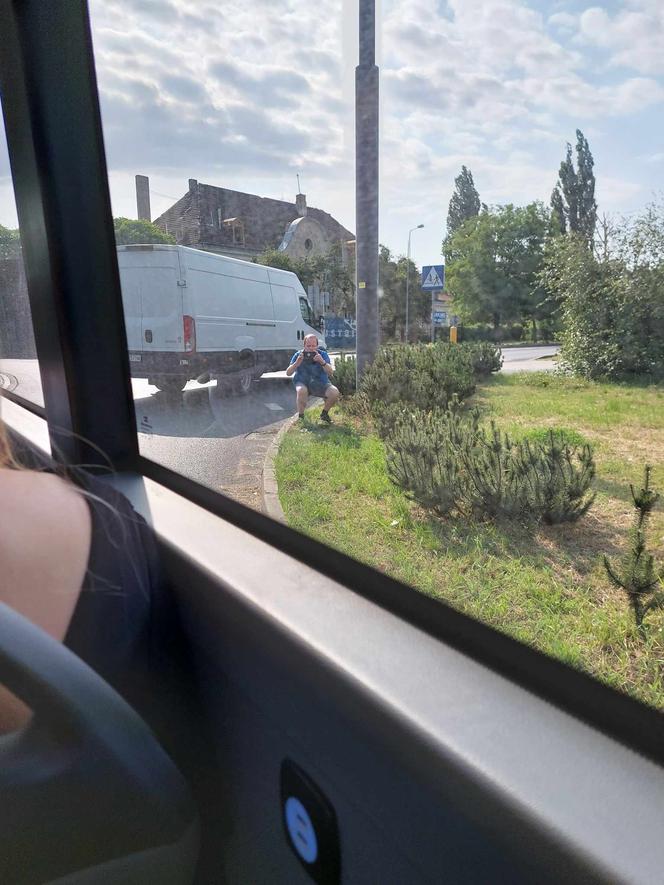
236,226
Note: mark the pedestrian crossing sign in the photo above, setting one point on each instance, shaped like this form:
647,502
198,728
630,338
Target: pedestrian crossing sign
433,277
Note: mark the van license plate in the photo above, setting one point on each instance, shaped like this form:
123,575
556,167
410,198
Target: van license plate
134,357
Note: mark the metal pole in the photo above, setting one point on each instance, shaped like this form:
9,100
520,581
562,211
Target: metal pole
366,190
407,282
433,291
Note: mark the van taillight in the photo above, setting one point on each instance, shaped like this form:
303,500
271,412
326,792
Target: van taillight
189,334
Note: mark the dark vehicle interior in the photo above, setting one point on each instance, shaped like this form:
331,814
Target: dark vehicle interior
313,719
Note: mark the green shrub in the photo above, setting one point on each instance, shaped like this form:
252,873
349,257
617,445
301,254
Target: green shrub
420,376
486,358
612,308
445,461
345,375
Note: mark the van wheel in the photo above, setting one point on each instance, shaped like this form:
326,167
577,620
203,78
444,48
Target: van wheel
169,385
242,382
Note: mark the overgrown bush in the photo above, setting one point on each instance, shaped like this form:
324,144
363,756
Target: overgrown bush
420,376
637,575
447,462
612,305
486,358
345,375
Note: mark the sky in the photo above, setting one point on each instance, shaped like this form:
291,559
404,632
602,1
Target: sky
247,95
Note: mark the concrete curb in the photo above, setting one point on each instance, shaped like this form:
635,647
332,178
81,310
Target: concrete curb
271,503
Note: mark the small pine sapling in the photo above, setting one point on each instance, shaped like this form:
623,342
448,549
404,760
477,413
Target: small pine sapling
637,573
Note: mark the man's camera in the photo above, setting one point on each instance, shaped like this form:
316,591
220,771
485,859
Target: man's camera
309,356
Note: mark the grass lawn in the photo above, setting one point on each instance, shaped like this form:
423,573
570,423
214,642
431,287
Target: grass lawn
545,585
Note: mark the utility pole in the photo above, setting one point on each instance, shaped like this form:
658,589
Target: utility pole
366,190
408,276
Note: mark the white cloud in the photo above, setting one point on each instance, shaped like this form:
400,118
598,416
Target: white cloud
245,95
565,21
633,35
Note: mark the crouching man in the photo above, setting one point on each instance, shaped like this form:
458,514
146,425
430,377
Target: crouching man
311,369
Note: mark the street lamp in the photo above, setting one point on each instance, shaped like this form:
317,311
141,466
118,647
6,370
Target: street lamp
408,275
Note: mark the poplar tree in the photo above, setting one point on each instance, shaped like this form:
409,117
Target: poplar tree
573,202
558,219
465,202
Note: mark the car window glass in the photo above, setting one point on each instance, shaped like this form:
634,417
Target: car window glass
488,458
19,370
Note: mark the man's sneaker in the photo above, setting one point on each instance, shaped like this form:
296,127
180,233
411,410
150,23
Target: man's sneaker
325,418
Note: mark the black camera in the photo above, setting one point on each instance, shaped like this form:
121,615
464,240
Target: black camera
309,356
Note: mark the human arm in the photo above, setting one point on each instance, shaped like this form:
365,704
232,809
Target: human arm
322,358
45,534
295,363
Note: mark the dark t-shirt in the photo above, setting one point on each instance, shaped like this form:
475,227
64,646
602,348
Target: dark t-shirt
123,610
113,625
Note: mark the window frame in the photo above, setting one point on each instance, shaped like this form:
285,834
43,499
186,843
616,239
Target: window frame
55,141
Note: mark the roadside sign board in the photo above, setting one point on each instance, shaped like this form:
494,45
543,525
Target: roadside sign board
340,333
440,317
433,277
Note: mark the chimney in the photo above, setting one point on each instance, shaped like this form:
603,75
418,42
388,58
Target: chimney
143,197
301,204
193,184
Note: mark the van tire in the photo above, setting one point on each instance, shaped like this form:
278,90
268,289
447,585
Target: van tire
169,384
242,382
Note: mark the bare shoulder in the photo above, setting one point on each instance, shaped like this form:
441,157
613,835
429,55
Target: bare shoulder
45,531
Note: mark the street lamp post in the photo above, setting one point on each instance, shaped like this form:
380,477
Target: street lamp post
408,275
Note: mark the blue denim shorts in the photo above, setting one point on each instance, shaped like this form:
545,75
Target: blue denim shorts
315,389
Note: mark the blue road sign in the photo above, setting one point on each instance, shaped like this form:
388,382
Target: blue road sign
440,317
433,277
340,333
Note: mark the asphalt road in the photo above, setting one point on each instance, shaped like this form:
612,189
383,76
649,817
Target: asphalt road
219,441
529,359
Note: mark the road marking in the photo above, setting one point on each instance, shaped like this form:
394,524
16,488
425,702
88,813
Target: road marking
275,407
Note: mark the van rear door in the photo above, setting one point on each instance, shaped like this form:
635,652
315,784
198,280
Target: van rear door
152,298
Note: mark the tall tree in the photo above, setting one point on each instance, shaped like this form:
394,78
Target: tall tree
558,218
494,264
392,273
465,202
573,198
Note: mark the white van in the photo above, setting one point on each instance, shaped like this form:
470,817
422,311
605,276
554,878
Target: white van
191,315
